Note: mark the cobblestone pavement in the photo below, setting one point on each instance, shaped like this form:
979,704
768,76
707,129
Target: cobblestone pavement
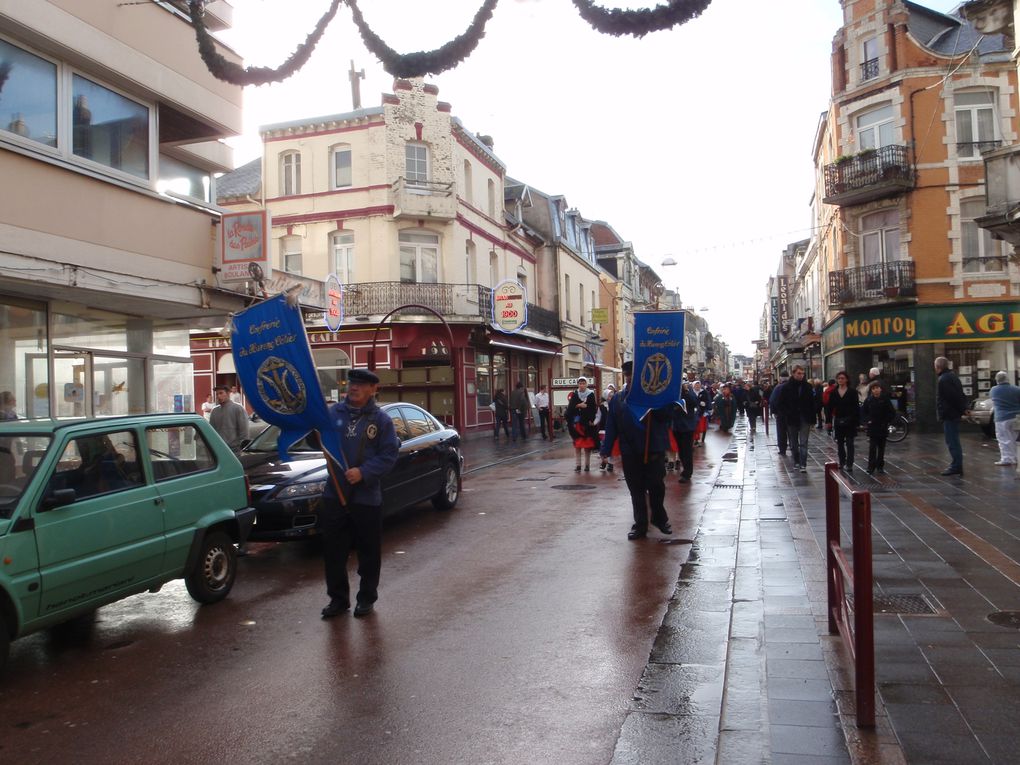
743,669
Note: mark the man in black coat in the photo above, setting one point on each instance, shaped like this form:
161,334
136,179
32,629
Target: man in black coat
684,424
950,407
782,437
797,405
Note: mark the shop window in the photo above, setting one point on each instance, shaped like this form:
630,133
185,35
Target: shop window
981,253
23,358
28,108
108,128
483,380
331,365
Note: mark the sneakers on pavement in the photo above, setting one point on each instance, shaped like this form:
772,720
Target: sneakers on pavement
1004,462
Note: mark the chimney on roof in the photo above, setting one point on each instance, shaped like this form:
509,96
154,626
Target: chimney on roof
487,140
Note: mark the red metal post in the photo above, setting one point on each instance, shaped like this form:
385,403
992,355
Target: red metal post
864,611
831,537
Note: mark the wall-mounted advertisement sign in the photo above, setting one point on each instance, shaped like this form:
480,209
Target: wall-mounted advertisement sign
244,246
774,315
784,306
509,306
334,313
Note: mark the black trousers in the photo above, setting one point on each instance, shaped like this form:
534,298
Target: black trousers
845,445
876,453
685,451
544,423
646,484
781,436
356,527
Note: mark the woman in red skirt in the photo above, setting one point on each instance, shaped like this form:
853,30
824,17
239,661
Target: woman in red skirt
704,409
582,407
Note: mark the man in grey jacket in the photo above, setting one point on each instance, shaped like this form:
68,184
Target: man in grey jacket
229,419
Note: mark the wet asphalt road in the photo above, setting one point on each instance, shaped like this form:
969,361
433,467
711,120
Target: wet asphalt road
512,629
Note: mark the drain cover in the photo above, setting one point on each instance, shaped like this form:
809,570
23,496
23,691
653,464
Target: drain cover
899,604
729,486
1005,619
573,487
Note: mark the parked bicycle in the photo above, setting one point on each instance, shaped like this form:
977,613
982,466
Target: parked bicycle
899,427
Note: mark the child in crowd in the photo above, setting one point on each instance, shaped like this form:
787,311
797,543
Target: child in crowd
878,411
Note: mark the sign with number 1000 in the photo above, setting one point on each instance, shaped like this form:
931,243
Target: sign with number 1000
509,306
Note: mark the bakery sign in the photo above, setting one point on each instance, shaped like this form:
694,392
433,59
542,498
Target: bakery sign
509,306
244,247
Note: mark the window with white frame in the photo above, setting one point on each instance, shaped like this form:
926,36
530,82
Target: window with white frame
46,104
981,253
416,163
875,128
469,194
29,105
290,254
341,166
975,123
419,257
880,237
290,173
341,244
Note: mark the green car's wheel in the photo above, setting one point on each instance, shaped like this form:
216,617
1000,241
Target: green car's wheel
213,575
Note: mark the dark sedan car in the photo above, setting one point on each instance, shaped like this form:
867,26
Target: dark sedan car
286,494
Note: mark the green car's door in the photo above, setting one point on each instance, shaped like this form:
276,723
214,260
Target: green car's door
109,539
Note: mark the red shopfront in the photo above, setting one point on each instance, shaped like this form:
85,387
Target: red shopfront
414,364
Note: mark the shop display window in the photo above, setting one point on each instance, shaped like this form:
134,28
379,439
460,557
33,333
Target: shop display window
23,353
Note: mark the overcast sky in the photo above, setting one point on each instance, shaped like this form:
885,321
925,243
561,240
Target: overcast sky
693,143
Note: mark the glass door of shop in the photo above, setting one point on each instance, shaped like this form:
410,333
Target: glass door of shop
87,384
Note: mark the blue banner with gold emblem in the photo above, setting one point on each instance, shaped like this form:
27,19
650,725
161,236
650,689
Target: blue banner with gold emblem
658,360
275,367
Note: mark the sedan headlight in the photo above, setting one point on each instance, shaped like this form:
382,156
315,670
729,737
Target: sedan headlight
305,489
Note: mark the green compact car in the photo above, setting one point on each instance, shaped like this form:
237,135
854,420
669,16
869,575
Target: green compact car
92,511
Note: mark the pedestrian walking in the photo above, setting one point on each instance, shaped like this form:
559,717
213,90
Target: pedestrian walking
605,463
782,437
843,412
818,392
704,412
798,408
739,393
826,393
685,422
519,405
542,404
582,409
879,411
725,407
370,450
950,407
501,412
862,388
229,419
753,405
1006,409
642,452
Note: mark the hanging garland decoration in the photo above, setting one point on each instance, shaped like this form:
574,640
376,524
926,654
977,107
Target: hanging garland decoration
638,23
230,72
421,63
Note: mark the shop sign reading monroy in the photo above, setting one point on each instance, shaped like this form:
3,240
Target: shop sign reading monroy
926,324
509,306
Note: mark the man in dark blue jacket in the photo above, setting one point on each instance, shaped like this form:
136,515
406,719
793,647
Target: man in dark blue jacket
797,406
643,446
950,407
781,435
370,448
684,425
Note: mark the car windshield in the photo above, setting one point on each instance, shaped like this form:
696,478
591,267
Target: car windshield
20,456
265,442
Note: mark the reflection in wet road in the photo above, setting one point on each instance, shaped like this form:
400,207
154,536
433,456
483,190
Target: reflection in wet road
512,629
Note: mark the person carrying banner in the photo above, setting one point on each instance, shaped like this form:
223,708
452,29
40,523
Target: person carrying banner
643,446
351,515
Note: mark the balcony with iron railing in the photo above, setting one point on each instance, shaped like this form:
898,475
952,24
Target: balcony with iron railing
869,69
428,200
455,302
872,285
872,174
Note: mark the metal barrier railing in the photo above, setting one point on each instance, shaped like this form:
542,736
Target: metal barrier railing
854,621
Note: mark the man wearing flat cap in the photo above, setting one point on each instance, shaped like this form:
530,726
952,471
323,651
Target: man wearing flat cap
370,449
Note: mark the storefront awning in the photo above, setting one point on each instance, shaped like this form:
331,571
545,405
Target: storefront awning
522,347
